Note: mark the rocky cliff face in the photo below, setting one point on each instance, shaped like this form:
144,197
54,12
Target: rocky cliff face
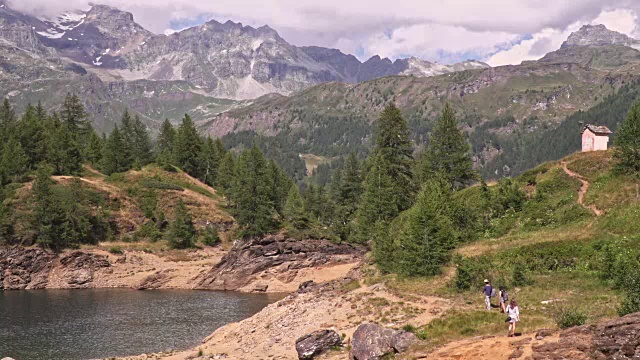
598,35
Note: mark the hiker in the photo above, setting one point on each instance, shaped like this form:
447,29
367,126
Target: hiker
514,316
487,290
504,297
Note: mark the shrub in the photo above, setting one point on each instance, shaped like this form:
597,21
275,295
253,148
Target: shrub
520,277
211,237
567,317
161,185
463,276
115,250
631,302
409,328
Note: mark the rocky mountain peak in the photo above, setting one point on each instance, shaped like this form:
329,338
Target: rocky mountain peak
597,35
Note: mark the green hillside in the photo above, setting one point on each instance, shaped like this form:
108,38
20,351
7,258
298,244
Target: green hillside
506,111
557,258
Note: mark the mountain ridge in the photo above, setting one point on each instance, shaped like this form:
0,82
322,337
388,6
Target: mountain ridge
227,60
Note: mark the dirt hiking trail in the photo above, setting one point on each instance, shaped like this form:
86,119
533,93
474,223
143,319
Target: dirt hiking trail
583,189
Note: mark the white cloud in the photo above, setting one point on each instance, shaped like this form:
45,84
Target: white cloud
428,40
436,30
548,39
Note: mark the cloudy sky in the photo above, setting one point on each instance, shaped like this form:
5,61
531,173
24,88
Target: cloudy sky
496,31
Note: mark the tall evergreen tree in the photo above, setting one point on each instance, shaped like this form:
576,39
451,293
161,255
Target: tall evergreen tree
113,160
294,211
394,145
226,174
449,153
41,113
49,216
427,236
142,150
63,152
165,143
181,231
93,151
281,184
14,163
627,149
209,159
187,146
75,117
7,119
254,210
350,187
31,134
377,203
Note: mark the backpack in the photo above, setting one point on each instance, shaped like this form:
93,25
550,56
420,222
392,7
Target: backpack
505,295
493,292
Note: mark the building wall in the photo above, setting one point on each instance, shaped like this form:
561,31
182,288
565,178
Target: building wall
601,143
593,142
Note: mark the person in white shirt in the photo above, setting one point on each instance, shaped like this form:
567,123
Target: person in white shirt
514,316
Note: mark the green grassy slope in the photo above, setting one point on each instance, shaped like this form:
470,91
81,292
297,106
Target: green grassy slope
564,252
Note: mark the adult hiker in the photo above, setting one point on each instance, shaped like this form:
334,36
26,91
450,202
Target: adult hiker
504,298
487,290
514,316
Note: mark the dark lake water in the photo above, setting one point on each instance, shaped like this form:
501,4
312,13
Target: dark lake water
88,324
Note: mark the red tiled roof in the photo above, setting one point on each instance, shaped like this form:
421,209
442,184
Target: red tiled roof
598,130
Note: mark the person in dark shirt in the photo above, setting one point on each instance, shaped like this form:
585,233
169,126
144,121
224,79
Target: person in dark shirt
487,290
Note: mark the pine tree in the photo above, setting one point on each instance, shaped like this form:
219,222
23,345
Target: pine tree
113,158
32,137
377,203
449,153
49,216
209,160
128,135
75,117
142,151
187,146
627,149
394,145
165,144
428,235
7,121
41,113
63,152
227,174
254,210
181,231
14,163
294,211
350,187
7,116
281,184
93,151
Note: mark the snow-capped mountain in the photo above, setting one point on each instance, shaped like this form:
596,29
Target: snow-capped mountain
227,60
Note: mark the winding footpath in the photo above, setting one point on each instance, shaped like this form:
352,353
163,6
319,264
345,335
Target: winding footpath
583,190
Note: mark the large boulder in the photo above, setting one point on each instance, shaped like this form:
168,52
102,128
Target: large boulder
373,342
316,343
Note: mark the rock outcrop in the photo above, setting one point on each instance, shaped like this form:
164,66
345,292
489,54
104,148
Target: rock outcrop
156,280
617,339
373,342
598,35
22,268
316,343
274,257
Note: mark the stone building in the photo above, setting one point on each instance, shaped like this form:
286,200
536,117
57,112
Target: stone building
595,138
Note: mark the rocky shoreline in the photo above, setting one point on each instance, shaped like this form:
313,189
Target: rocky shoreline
273,264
